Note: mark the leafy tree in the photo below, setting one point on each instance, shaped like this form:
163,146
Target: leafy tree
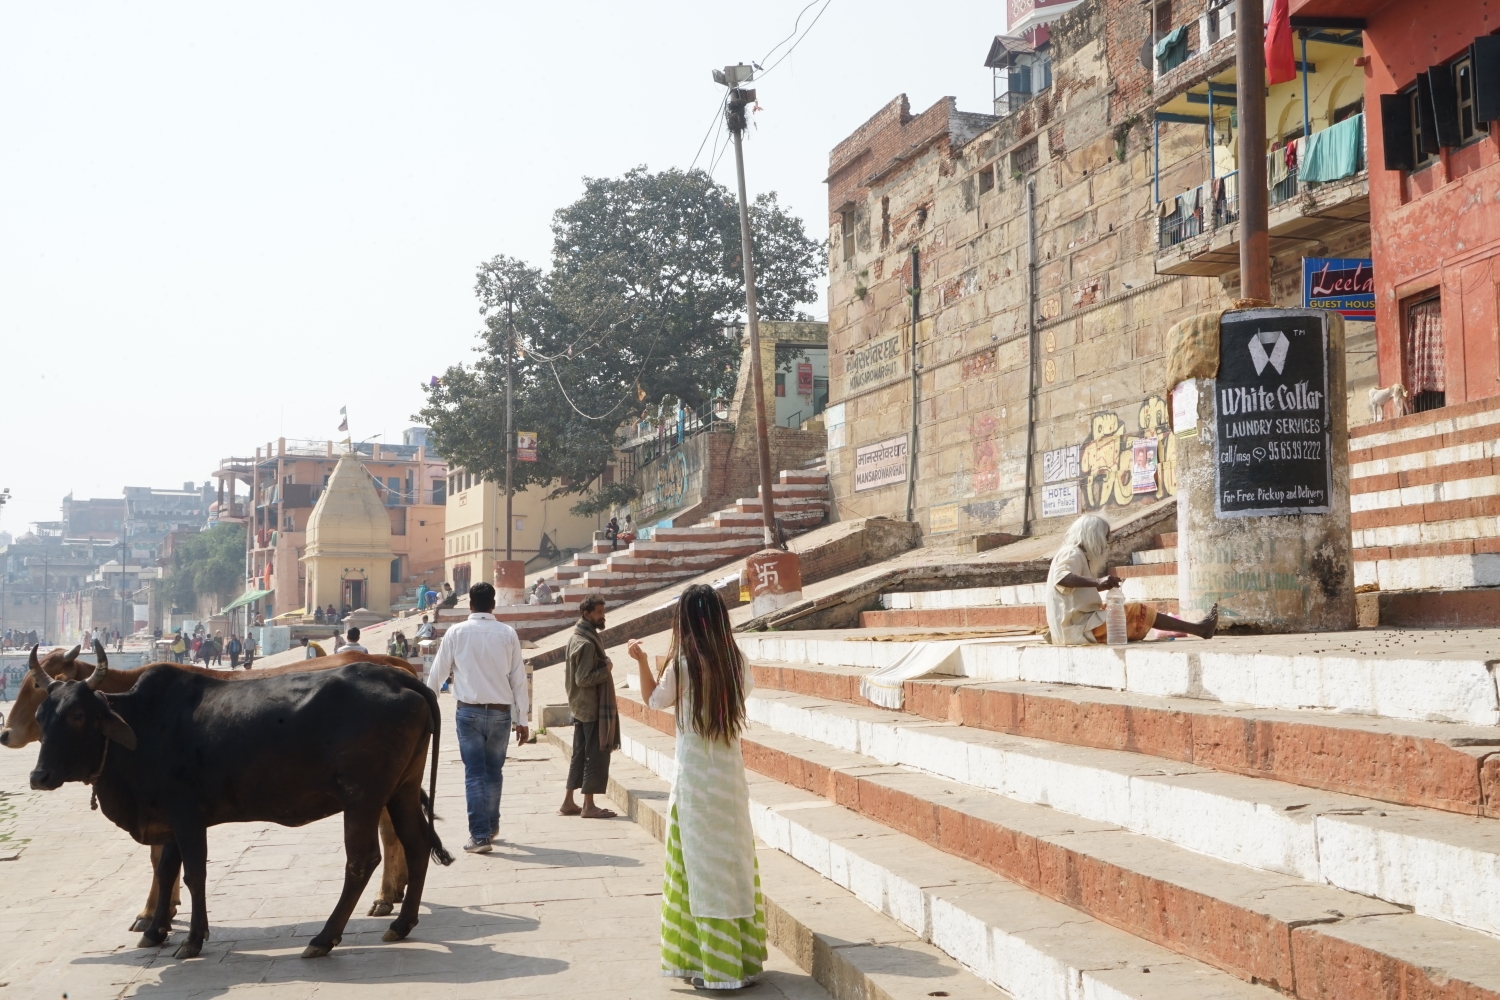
210,564
646,275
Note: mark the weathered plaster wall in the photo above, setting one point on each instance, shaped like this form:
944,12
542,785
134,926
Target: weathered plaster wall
1101,310
1437,229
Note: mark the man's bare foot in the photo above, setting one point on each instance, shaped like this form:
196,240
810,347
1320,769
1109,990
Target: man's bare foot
1208,626
594,812
569,809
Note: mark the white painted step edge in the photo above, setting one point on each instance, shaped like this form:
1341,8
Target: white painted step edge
1441,865
1458,690
1022,943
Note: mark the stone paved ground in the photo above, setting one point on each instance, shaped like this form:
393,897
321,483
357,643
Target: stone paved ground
564,908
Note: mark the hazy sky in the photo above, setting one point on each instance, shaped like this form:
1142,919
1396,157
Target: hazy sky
219,223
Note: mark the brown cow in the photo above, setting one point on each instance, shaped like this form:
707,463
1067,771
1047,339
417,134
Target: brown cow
21,729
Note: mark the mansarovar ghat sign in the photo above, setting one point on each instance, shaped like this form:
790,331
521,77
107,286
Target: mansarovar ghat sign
872,364
880,464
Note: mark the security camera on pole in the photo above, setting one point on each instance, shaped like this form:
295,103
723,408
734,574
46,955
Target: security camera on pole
774,574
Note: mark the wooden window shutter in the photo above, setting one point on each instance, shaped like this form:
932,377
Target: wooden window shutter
1426,117
1485,53
1395,127
1444,105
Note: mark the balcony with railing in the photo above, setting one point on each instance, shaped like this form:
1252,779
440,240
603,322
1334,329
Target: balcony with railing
1319,190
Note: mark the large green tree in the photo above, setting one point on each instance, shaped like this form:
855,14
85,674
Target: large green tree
210,564
645,275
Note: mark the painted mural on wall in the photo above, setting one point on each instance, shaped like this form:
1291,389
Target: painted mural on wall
1115,465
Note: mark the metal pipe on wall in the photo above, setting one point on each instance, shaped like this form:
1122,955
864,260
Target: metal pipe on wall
911,440
1031,352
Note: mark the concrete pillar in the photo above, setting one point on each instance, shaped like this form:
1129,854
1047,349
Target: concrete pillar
510,582
1263,477
775,579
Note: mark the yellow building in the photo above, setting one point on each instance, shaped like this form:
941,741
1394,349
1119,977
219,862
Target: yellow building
475,529
349,557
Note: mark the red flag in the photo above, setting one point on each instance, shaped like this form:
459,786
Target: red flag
1281,63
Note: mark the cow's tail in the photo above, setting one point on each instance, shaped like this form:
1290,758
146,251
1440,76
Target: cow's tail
439,853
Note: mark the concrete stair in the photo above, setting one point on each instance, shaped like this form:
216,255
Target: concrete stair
1059,839
1425,499
1151,575
801,502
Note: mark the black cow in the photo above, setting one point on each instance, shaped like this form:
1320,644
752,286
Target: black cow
181,752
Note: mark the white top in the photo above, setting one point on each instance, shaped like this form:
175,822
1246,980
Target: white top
712,800
352,647
483,656
1072,612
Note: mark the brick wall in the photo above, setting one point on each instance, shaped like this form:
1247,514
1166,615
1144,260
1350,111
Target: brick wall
1102,311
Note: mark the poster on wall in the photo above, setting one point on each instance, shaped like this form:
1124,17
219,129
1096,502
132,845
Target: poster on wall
804,378
1272,418
1143,465
1344,285
943,519
1060,500
880,464
525,446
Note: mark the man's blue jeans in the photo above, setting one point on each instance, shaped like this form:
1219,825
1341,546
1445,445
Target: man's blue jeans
483,735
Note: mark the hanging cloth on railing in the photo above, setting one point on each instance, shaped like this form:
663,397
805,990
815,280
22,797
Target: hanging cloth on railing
1333,153
1171,51
1276,168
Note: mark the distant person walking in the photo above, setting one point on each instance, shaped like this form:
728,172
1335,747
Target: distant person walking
234,650
250,648
596,728
713,926
311,649
483,658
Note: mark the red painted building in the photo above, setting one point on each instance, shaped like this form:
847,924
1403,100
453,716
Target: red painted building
1434,188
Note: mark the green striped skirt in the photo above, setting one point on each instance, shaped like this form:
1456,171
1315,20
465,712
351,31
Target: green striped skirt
726,954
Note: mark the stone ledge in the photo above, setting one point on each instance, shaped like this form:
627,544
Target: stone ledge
851,951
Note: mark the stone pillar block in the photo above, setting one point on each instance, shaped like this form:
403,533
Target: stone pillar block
510,582
775,579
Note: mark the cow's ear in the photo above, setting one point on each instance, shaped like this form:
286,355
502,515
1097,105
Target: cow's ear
119,730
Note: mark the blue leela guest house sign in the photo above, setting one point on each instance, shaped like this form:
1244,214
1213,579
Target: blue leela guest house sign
1343,285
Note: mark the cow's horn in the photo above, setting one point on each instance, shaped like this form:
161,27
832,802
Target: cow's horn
71,655
38,675
101,669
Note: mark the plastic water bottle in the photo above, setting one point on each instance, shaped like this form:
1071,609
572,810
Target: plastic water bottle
1114,618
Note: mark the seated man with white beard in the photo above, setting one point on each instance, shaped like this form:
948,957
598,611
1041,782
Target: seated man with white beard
1075,611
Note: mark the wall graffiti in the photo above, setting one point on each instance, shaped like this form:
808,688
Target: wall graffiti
986,457
1116,467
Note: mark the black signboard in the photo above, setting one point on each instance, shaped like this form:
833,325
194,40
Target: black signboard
1271,415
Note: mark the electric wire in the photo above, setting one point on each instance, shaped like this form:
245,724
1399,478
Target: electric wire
718,111
788,38
782,58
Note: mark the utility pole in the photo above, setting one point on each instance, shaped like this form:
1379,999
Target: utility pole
510,412
1250,91
732,77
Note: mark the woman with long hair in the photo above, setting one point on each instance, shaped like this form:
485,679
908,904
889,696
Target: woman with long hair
713,919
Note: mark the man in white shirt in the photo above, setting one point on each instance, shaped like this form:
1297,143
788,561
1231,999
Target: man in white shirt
483,657
352,646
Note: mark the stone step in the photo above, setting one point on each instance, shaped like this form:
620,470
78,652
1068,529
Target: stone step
1476,608
1456,687
810,477
1434,765
1023,615
1137,571
971,597
1166,541
1018,940
850,949
1435,429
1152,557
1440,865
1263,927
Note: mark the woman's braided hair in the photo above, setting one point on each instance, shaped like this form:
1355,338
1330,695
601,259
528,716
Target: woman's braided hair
711,667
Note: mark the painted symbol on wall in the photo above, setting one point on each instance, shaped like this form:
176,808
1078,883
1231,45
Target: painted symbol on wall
1279,345
986,478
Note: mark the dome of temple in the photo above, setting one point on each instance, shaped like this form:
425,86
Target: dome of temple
349,518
